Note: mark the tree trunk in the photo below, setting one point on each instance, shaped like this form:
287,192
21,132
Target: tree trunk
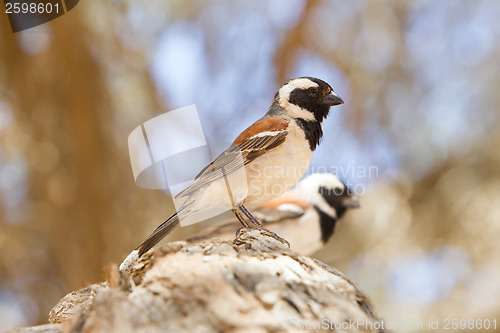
253,284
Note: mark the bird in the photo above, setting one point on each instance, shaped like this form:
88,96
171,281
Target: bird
305,215
264,161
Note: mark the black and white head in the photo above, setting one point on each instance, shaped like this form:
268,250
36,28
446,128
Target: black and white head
307,98
329,196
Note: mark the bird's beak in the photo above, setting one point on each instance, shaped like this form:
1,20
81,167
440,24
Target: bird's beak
350,202
332,99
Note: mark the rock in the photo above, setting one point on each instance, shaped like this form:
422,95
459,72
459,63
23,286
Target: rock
253,284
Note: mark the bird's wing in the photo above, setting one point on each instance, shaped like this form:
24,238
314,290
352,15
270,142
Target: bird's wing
278,215
284,207
247,147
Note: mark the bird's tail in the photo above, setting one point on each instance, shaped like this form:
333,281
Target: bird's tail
163,230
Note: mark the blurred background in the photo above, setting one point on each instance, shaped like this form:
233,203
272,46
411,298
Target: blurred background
420,79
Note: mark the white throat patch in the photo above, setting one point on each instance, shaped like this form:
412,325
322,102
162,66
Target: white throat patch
284,96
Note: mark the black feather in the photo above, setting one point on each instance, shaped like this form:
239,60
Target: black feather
335,198
327,224
312,130
312,102
163,230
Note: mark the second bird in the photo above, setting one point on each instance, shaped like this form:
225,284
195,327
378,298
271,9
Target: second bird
306,216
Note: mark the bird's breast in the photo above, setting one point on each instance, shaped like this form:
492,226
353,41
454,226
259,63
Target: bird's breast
275,172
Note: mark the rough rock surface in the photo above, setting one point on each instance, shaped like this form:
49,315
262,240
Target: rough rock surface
253,284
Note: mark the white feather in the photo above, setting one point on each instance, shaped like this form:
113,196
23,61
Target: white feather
290,207
284,97
308,189
301,83
269,133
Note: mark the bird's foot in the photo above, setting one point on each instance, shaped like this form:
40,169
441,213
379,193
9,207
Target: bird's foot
238,232
267,232
275,236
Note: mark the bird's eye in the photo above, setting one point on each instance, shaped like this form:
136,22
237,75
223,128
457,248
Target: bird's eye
313,91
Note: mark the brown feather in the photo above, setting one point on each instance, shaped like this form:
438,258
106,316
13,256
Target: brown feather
264,125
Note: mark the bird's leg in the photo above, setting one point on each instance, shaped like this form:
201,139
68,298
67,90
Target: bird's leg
240,218
250,216
242,221
259,226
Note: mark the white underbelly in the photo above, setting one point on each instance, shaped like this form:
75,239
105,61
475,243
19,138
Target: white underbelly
276,172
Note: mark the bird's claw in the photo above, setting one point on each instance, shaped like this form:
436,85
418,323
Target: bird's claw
267,231
275,236
238,232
